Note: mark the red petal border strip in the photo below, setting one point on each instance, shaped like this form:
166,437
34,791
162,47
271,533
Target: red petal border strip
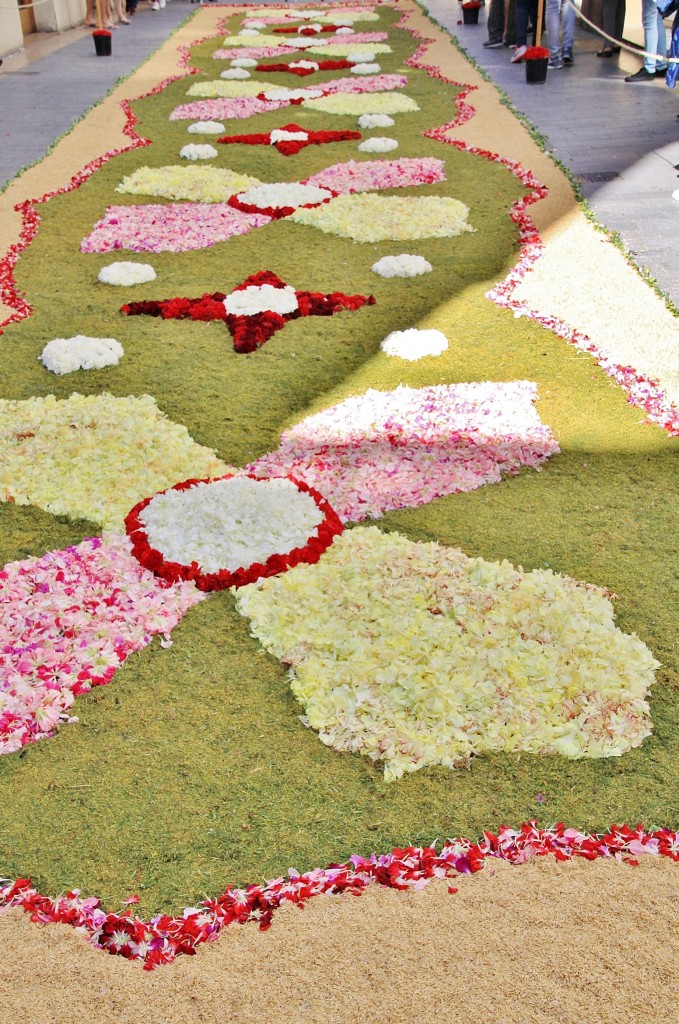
172,572
162,939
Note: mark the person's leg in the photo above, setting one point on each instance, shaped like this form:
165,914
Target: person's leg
522,13
649,21
509,37
553,18
567,28
661,49
496,22
610,18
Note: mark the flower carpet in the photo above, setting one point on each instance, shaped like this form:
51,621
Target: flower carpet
284,602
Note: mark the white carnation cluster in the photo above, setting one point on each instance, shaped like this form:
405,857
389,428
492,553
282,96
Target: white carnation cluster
235,73
366,69
368,121
249,32
64,355
195,152
253,23
206,128
361,56
243,62
281,135
310,64
378,144
262,298
414,344
230,524
126,273
288,95
284,193
344,30
404,265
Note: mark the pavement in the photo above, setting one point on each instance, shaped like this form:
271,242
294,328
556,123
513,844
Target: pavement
619,140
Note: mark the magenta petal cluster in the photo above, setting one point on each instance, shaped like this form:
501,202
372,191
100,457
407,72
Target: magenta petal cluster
177,227
68,620
397,449
366,175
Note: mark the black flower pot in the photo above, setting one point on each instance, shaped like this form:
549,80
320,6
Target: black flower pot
102,42
470,15
536,70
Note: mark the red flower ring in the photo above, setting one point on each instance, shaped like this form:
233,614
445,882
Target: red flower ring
152,559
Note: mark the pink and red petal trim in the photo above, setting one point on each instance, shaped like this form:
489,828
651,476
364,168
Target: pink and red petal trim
172,572
162,939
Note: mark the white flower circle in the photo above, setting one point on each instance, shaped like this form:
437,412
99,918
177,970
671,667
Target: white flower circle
195,152
414,344
366,69
404,265
378,144
230,524
368,121
126,273
206,128
261,298
64,355
243,62
235,73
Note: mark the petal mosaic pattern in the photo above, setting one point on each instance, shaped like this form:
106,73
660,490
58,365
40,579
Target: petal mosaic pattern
94,456
68,620
395,449
415,655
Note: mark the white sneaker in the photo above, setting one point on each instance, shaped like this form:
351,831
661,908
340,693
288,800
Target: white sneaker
161,3
155,6
518,54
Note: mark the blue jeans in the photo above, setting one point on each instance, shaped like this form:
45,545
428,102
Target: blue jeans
560,18
654,36
526,10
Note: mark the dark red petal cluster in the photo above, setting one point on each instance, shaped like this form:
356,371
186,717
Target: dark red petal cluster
288,147
172,572
323,65
290,30
248,332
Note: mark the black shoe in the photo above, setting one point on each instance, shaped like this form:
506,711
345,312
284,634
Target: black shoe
568,56
661,72
492,44
642,75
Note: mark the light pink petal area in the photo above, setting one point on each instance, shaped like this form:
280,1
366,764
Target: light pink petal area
355,38
177,227
224,108
366,175
397,449
255,52
371,83
68,620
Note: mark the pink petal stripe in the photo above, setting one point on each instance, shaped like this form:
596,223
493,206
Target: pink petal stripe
68,620
177,227
403,448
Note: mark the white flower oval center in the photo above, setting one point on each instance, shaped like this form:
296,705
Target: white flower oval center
261,299
230,524
290,193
